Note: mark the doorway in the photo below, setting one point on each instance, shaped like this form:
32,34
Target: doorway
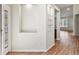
55,30
56,24
66,19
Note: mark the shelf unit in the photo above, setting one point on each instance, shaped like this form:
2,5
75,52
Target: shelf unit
50,25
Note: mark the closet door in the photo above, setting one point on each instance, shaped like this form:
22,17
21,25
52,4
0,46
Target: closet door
5,28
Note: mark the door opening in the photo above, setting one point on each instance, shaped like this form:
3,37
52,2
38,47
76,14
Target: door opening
56,24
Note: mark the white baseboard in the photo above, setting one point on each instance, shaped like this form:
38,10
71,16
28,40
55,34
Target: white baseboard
50,47
34,50
28,50
75,34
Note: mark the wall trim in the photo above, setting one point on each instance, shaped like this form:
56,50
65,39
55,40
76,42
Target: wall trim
33,50
75,34
50,47
28,51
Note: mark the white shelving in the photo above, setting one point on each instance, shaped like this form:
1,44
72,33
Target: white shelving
50,25
6,28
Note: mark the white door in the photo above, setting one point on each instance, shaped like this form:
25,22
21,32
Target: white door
58,25
0,29
5,28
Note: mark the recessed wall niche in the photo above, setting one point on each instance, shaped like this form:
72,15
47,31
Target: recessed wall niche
28,22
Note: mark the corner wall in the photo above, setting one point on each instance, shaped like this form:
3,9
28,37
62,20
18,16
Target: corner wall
25,41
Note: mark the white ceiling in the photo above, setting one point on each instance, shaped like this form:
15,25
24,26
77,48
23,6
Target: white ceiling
64,11
63,5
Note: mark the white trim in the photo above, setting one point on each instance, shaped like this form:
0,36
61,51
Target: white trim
28,50
50,47
75,34
4,53
34,50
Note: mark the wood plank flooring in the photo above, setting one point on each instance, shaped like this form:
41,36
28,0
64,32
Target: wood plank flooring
67,45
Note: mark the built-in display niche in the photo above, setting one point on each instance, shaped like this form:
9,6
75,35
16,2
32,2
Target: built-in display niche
28,20
50,16
6,28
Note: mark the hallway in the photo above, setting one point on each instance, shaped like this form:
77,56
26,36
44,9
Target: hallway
67,45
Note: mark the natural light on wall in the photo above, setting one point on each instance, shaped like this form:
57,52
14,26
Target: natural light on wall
28,18
68,9
29,5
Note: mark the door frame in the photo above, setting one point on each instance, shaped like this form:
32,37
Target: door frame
58,22
6,7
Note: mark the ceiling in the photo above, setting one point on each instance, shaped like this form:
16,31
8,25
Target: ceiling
63,5
64,11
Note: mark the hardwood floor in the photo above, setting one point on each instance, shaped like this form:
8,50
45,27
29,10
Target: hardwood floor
67,45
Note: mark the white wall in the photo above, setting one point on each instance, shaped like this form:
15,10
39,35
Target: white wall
75,20
29,18
10,27
77,24
58,25
70,23
50,29
38,41
76,9
22,41
50,39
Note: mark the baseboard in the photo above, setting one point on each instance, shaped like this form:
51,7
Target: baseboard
33,50
4,53
76,34
50,47
28,51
